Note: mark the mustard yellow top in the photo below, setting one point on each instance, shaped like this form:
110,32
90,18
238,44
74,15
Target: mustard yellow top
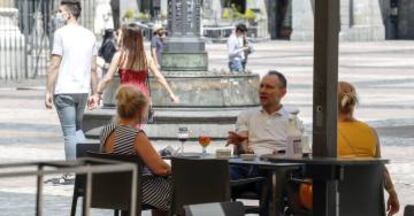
356,139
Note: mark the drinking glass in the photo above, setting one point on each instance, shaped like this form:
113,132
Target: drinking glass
183,135
204,141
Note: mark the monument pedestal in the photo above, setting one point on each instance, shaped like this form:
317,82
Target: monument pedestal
208,100
215,121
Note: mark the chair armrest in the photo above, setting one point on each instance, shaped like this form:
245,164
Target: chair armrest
240,182
300,180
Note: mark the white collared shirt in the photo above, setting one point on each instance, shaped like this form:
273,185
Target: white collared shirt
267,132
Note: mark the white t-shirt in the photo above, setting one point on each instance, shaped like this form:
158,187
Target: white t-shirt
267,133
76,45
235,47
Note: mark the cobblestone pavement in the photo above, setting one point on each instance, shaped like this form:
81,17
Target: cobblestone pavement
383,73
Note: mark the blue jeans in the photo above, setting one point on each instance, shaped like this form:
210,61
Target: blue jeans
246,171
235,65
243,171
70,109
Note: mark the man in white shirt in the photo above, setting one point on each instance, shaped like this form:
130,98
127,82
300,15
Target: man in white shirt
71,74
236,48
264,130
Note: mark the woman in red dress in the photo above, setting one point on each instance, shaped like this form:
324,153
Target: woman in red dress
133,65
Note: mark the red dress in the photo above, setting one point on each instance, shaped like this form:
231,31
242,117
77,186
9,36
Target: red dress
137,78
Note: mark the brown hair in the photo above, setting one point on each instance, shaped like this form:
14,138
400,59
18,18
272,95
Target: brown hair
129,99
347,97
132,45
73,6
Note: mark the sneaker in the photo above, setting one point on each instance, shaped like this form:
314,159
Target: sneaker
66,179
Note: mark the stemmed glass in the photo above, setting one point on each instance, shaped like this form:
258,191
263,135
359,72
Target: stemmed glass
183,135
204,141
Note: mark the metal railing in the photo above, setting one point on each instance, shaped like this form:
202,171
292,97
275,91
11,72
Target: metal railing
88,166
26,35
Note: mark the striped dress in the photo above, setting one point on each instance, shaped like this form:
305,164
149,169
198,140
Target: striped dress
156,190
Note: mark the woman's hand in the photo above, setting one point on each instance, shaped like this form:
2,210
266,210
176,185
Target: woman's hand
393,205
174,98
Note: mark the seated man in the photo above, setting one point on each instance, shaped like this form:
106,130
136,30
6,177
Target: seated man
262,131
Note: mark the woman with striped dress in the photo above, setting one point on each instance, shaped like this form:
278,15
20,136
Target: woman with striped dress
122,137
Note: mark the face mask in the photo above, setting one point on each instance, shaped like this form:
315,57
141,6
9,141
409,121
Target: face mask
60,19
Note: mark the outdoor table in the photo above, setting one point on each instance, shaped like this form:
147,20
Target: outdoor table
324,172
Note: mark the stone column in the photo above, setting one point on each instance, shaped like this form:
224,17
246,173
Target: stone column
184,50
361,20
405,19
346,14
11,44
367,23
302,20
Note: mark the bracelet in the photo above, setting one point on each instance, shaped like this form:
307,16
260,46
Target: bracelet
99,93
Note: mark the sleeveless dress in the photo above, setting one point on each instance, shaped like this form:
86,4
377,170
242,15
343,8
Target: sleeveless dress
355,139
137,78
156,190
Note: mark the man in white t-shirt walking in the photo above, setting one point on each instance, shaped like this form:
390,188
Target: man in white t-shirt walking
71,74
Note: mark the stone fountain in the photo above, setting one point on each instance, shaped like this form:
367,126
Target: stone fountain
209,100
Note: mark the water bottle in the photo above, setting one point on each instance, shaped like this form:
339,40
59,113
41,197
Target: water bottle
294,140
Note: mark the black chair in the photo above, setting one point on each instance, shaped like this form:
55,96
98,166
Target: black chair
409,210
361,191
199,181
113,190
222,209
80,181
245,189
239,191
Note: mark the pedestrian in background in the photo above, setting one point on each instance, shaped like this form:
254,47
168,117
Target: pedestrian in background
236,48
107,50
157,43
71,74
133,65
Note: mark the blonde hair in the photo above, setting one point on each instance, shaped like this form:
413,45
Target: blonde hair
347,97
129,99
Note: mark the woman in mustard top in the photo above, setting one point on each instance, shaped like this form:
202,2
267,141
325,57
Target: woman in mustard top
357,139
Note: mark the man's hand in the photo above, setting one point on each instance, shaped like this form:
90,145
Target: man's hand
93,101
393,205
235,138
48,100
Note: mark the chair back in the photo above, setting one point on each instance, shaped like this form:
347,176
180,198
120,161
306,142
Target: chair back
361,191
409,210
80,180
82,149
113,190
199,181
217,209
